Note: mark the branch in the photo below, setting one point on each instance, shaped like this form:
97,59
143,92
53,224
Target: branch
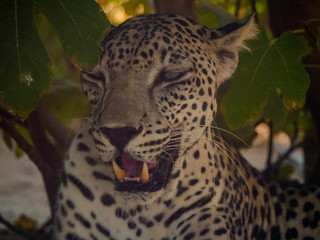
292,147
284,156
238,4
309,33
270,144
15,229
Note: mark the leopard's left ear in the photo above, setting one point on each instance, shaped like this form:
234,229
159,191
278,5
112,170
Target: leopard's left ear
226,42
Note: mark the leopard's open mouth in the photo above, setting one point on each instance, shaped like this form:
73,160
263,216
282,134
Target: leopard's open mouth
136,176
131,169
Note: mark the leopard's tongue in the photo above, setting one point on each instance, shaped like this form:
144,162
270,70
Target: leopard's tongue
132,170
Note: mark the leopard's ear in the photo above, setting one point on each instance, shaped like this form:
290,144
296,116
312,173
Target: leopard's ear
226,42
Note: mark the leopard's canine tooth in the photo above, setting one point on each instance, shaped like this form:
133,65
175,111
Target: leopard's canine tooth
120,173
144,175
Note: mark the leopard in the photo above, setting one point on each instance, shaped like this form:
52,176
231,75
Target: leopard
148,162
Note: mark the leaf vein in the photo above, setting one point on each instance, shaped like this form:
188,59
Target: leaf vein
287,71
240,102
76,26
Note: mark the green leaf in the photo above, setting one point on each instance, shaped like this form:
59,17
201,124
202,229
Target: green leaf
80,25
270,65
275,109
24,72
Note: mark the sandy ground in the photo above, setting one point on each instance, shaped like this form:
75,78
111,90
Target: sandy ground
22,191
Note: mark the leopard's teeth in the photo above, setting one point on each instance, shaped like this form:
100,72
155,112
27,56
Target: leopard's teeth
144,175
136,179
120,173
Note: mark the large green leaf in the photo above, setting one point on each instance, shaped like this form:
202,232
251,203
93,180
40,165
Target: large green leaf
24,73
270,65
24,64
80,25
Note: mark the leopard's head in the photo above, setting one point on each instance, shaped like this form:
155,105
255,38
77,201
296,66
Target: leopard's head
153,93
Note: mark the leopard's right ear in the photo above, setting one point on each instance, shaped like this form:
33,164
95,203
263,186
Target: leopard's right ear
103,42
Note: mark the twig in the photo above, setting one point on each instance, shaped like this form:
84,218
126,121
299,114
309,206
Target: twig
309,33
238,4
16,230
273,169
284,156
292,147
270,144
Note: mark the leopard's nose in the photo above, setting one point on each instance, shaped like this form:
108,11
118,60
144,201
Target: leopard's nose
120,137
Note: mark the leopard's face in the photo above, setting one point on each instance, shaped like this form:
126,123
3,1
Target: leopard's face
153,95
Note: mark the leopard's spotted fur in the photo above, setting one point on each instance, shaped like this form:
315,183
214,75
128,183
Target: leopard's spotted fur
153,97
